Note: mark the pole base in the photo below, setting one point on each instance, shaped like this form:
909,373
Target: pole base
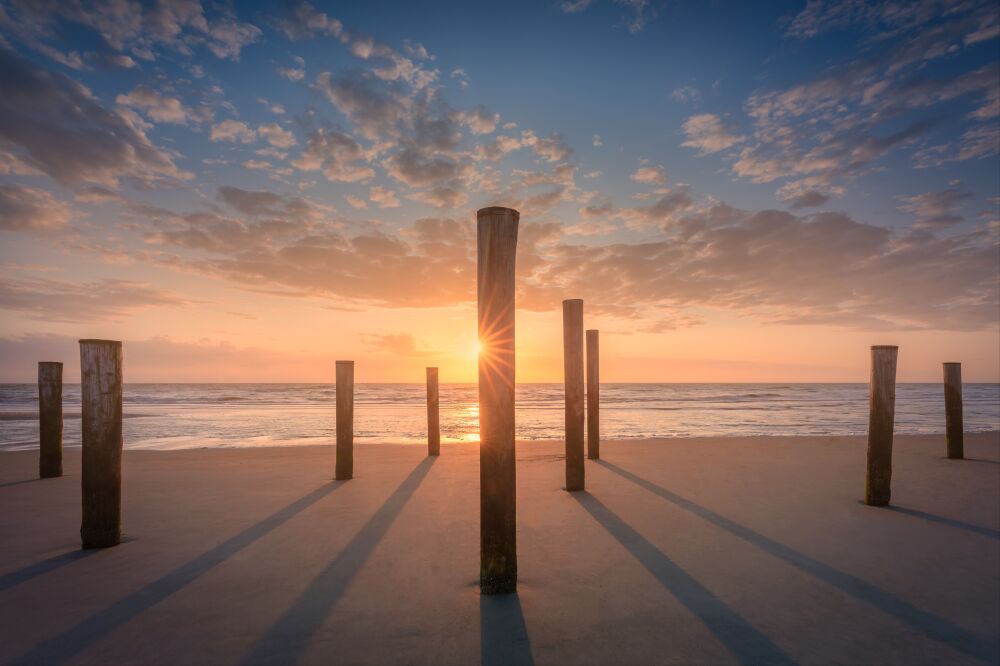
99,539
498,584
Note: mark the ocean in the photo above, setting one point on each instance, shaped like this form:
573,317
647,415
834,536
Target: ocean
177,416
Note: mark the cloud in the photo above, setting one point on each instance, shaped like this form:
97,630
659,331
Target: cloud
139,28
822,268
841,125
480,120
383,198
398,344
339,156
356,202
58,127
708,134
250,202
416,50
32,210
936,210
686,95
276,136
375,108
232,130
62,301
650,175
157,106
460,74
305,21
552,148
597,141
807,193
292,73
638,12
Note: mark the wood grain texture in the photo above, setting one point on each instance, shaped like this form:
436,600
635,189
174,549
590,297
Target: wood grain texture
593,395
433,414
954,428
101,436
573,380
345,421
50,419
882,409
496,248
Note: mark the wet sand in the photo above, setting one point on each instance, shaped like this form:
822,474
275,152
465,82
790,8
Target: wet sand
702,550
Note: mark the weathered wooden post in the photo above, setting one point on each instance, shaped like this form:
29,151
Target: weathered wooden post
573,379
345,420
880,424
50,419
101,430
496,236
593,396
433,415
954,431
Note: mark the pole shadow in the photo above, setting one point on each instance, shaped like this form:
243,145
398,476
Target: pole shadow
503,635
18,483
746,643
982,648
288,638
102,623
13,578
982,460
951,522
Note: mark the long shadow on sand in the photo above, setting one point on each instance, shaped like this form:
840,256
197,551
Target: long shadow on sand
290,635
18,483
89,631
41,568
951,522
503,635
983,648
739,636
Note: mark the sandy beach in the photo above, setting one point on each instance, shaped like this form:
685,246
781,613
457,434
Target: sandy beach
709,551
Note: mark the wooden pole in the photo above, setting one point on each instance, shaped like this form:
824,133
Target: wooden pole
101,430
345,420
50,419
573,379
593,396
496,244
953,410
880,425
433,414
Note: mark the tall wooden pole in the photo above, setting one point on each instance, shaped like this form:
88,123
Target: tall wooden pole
593,396
101,430
880,424
954,431
433,414
50,419
496,236
345,420
573,379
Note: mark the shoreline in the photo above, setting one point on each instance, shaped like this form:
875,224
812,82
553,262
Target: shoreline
447,443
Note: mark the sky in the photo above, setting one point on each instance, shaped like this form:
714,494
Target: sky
738,191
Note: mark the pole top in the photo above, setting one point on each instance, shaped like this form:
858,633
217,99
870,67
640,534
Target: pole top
952,363
592,331
573,301
345,362
498,211
59,363
91,341
874,347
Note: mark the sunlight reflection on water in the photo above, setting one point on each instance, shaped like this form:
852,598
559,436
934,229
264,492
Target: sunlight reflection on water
167,416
